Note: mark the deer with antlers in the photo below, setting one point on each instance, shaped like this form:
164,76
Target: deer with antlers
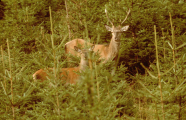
106,52
68,74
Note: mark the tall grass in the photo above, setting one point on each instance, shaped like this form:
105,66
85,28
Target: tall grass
11,83
54,56
159,74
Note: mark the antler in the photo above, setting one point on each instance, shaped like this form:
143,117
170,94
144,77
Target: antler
126,16
108,18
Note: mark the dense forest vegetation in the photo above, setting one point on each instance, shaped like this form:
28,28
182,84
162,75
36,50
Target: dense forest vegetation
150,76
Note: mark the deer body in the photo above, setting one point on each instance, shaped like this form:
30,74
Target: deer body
69,75
106,52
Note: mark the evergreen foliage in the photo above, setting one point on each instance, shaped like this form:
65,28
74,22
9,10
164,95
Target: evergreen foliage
149,81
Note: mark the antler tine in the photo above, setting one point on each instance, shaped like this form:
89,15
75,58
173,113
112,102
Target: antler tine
108,17
126,16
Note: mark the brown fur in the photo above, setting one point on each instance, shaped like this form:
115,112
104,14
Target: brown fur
69,75
106,52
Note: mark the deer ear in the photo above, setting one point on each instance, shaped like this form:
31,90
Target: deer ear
125,28
108,28
77,49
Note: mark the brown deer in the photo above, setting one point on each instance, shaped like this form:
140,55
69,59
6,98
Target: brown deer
69,75
106,52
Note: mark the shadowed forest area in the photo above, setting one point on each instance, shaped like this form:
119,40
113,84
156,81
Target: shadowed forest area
149,75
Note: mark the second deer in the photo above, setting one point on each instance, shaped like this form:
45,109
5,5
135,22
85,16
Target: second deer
69,75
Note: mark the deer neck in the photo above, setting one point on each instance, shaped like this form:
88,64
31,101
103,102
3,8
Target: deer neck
83,64
113,49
